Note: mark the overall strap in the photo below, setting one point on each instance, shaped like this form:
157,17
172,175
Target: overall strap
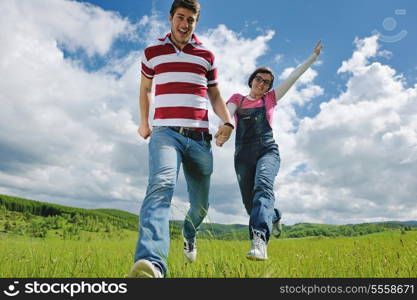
263,101
241,101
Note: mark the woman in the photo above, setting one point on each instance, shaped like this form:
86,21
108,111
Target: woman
257,159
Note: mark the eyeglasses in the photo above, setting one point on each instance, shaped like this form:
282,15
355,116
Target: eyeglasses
261,80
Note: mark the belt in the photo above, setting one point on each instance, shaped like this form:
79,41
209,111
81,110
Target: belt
192,134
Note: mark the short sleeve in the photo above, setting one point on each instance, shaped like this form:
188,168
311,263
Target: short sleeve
235,99
212,74
271,97
146,68
212,78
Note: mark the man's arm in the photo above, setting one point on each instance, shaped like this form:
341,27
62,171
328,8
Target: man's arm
220,109
144,129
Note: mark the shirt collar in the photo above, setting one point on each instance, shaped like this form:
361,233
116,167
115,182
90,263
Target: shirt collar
193,40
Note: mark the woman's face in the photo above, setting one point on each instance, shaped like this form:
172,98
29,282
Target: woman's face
261,84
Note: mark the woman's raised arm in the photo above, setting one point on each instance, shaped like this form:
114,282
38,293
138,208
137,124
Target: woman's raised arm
283,88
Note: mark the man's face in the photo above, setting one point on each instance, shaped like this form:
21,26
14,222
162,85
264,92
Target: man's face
183,23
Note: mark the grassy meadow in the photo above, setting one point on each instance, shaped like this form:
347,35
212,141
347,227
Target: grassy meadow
39,239
386,254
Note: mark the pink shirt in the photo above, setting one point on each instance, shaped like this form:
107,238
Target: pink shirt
270,103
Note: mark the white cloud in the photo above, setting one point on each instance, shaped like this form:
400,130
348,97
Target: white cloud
75,25
360,150
152,27
366,48
278,58
67,134
236,56
303,90
385,53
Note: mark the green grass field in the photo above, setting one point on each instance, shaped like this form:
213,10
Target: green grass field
387,254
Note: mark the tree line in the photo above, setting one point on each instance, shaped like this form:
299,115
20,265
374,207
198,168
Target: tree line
36,219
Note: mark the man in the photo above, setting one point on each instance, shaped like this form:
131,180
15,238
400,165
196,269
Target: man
184,74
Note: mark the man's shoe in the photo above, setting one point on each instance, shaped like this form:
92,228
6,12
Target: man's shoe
144,269
276,229
258,249
190,250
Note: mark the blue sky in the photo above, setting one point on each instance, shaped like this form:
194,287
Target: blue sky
347,130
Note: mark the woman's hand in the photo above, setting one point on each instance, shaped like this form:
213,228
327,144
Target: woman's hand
318,48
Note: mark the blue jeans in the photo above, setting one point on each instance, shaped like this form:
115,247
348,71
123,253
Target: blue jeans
256,167
167,150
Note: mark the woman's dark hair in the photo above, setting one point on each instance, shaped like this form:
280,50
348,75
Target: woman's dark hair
265,70
192,5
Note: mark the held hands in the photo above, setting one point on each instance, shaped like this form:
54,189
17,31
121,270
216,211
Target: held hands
318,48
144,131
223,134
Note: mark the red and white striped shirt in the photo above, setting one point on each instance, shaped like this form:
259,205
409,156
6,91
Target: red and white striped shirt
181,79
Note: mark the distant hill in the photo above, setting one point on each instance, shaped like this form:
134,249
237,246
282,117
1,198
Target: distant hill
132,218
405,223
215,231
23,216
118,218
409,223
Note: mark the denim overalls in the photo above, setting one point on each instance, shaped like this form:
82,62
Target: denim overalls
257,162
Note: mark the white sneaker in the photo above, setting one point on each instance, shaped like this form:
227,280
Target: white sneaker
258,249
276,229
190,250
144,269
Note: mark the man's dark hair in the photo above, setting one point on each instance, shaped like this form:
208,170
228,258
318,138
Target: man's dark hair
192,5
264,70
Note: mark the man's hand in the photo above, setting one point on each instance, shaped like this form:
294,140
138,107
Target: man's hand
144,103
220,109
222,135
144,131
